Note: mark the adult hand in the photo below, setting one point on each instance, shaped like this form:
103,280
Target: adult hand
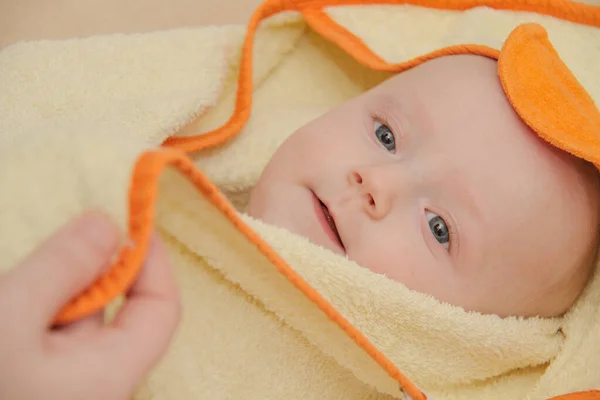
86,359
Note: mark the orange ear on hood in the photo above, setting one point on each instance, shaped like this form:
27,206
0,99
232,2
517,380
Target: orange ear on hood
546,94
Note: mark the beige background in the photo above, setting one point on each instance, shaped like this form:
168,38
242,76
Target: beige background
58,19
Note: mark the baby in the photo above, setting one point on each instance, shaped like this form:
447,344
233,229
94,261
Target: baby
433,180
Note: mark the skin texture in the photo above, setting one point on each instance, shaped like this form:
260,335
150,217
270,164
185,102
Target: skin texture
521,215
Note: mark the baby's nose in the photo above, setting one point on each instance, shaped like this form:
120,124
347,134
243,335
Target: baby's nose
376,194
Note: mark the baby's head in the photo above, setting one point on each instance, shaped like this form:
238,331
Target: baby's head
432,179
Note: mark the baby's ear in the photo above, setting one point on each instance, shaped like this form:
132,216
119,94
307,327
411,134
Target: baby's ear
547,95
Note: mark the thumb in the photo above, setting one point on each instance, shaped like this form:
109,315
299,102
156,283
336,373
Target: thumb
145,325
63,265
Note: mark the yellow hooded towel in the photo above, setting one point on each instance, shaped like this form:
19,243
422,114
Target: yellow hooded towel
113,122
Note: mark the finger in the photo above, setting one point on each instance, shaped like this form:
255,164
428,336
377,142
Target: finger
63,265
83,328
149,317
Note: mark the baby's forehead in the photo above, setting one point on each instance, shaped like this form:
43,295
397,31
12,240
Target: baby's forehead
458,114
453,97
446,73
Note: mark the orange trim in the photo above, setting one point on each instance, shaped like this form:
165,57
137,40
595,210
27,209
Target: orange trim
142,202
589,395
312,10
321,23
564,9
143,189
243,103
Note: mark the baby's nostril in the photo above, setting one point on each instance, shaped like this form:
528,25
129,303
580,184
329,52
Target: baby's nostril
357,177
371,201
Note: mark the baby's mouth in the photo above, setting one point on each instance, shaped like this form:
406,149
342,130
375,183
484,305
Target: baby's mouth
331,223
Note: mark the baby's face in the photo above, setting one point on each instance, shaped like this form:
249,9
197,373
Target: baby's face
433,180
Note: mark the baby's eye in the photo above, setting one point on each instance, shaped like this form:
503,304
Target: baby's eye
439,229
385,136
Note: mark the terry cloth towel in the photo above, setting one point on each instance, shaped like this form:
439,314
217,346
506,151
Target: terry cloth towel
267,314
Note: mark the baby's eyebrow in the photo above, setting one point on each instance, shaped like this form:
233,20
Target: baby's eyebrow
410,107
401,107
464,194
467,197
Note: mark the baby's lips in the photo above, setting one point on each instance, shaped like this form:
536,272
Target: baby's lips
546,94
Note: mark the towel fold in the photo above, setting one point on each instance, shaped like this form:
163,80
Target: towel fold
267,314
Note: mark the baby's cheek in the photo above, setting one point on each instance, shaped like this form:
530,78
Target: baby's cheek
381,262
383,256
407,261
